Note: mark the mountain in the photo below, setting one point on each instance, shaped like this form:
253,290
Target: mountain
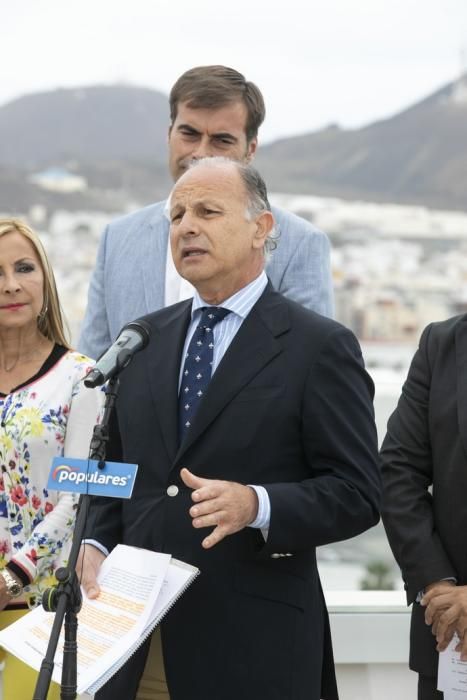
116,137
90,125
416,156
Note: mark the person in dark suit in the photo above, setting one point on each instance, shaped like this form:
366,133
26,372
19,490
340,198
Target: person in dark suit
278,457
424,457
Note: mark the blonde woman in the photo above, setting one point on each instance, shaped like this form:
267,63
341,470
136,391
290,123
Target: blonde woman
45,411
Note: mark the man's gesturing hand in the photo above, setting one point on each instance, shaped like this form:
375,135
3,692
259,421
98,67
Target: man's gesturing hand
87,568
224,505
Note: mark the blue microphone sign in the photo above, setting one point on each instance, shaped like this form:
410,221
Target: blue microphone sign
115,480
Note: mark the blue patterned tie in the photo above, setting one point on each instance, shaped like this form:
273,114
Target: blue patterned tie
198,366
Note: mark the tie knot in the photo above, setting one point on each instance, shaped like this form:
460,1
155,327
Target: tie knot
211,315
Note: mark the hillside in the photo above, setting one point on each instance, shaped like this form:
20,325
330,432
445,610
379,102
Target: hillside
116,136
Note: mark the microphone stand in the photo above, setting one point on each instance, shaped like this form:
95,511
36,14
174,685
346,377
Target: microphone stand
65,598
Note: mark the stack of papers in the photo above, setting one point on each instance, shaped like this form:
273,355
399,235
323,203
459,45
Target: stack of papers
137,588
452,673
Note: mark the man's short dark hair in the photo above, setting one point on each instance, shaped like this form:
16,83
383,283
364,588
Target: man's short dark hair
212,87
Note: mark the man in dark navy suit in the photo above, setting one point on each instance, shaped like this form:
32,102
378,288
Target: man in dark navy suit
277,456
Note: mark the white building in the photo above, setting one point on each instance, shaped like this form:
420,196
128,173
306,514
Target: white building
59,180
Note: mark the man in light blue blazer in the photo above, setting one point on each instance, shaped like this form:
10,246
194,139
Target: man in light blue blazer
214,112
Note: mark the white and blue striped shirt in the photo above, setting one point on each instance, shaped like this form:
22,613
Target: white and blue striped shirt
240,305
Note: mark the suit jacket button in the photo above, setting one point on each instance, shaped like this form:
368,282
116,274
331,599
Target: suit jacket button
172,490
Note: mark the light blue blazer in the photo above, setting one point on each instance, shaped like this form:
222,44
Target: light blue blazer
128,280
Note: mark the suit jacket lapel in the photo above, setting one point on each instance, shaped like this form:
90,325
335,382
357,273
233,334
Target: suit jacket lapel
164,356
254,346
153,270
461,362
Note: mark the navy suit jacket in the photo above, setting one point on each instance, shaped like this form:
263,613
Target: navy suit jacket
289,407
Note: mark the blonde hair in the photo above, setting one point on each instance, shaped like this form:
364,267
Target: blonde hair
50,321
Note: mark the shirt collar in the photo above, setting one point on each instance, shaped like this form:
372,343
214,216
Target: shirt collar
239,303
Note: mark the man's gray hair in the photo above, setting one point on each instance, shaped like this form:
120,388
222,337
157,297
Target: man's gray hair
255,188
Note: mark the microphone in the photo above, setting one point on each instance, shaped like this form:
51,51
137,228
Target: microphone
133,337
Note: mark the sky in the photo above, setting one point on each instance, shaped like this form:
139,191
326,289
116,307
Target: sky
317,62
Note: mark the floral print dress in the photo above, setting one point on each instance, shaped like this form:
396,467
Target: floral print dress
51,416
